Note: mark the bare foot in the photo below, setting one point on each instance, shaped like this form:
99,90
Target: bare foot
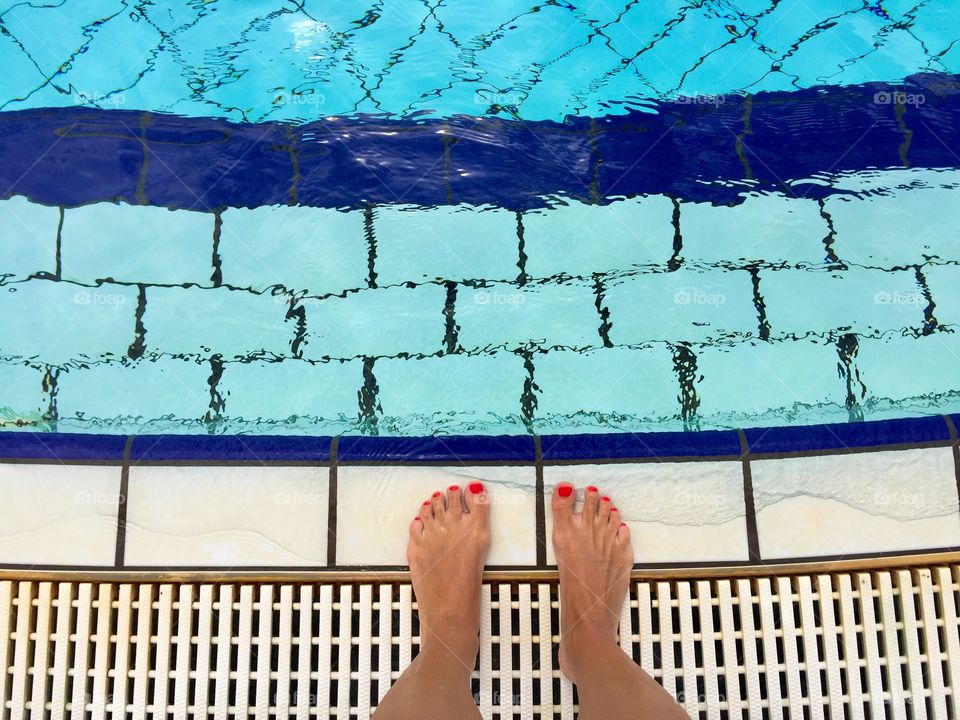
595,557
448,544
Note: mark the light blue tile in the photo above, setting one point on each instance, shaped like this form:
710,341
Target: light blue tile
580,239
451,394
769,383
55,322
944,284
546,315
21,395
207,322
445,243
681,306
141,392
292,392
606,389
887,231
771,228
915,373
856,300
387,321
137,244
28,238
315,250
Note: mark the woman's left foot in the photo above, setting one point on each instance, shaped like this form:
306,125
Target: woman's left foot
448,544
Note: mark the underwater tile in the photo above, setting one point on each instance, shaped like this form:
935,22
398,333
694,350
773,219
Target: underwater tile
137,244
229,517
685,305
28,238
763,228
417,244
579,239
313,250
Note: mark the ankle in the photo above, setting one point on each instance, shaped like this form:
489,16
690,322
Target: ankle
452,643
584,642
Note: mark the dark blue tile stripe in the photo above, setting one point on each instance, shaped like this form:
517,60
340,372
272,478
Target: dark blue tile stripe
878,433
74,156
708,443
502,449
240,448
61,446
455,449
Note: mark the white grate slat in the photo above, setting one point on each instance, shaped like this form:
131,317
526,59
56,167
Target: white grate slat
506,651
184,625
771,661
711,687
365,633
164,644
141,660
385,641
923,579
61,660
244,649
221,672
325,637
951,622
41,651
102,650
871,645
284,652
728,638
525,630
790,630
911,634
891,644
21,651
204,640
304,648
486,652
688,660
121,670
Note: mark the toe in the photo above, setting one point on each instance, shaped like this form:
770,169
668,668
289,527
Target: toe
426,513
439,503
416,529
623,533
614,523
454,502
478,502
591,501
564,499
603,511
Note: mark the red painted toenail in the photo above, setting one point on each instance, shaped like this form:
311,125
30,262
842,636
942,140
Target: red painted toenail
591,488
613,510
605,498
565,490
426,503
437,494
417,518
623,524
453,488
476,488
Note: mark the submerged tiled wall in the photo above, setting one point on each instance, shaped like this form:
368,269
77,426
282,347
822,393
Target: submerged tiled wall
648,313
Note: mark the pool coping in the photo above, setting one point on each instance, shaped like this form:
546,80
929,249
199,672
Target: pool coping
535,452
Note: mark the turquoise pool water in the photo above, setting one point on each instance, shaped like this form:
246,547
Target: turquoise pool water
609,231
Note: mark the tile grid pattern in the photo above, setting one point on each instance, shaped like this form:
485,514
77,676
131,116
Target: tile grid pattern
306,326
325,510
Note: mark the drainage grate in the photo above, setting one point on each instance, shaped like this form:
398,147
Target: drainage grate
858,645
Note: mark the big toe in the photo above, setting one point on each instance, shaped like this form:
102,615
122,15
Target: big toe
478,501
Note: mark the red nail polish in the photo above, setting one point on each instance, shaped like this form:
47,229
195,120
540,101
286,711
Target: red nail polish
565,490
417,518
476,488
426,503
437,494
613,510
591,488
605,498
453,488
623,524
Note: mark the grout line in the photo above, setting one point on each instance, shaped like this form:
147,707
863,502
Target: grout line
955,446
753,538
139,343
451,330
676,259
599,290
58,265
370,236
930,322
121,548
332,504
763,324
522,278
541,519
217,276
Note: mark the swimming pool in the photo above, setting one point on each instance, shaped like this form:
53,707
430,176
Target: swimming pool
282,219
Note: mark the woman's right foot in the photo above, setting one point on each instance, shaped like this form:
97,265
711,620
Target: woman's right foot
595,558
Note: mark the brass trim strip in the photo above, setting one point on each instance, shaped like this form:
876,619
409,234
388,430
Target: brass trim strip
533,575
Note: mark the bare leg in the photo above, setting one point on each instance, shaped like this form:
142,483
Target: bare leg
448,543
595,557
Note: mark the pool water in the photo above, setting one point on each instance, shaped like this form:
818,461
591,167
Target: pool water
476,218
